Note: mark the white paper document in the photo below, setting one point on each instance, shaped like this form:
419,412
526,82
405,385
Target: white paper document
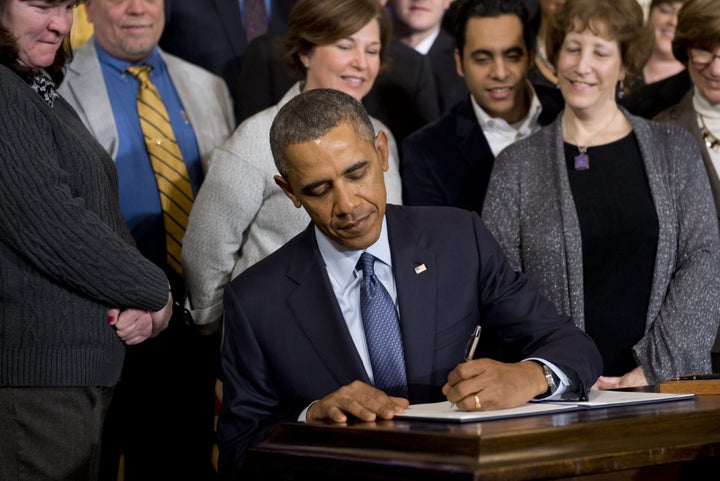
444,411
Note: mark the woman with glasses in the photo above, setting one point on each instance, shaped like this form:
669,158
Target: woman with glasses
697,45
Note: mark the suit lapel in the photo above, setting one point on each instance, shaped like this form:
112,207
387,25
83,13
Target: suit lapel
471,139
188,88
87,86
315,309
416,291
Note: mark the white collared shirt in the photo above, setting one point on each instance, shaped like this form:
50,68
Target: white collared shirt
425,45
499,133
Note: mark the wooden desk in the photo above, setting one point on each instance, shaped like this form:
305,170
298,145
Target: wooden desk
663,441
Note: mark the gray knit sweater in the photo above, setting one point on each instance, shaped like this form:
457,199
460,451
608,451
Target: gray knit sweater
65,253
530,209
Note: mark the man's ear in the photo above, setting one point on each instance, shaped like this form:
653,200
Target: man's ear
458,64
381,147
287,188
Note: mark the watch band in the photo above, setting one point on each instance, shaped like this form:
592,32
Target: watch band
550,378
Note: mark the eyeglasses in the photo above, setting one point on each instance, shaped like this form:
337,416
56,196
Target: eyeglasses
702,58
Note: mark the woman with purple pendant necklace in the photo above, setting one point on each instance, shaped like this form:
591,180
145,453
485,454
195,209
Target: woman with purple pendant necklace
610,214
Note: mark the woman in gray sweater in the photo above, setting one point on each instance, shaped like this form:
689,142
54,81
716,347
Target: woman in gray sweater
610,214
73,289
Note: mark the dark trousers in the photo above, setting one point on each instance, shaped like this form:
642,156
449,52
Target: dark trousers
162,415
51,433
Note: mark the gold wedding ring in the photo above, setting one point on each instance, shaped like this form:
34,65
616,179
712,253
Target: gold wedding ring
477,402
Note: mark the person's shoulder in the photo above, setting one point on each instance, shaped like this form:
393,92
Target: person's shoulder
551,100
183,67
12,86
439,129
267,274
443,42
675,112
660,131
439,220
85,58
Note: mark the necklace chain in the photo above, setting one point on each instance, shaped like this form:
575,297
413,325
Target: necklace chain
711,142
583,148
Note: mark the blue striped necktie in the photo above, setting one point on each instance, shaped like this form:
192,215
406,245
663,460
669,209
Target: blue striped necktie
382,332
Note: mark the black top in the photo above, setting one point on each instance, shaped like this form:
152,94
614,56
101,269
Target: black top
648,100
619,229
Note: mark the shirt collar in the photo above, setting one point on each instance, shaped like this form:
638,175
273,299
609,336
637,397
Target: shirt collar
120,65
528,123
340,262
425,45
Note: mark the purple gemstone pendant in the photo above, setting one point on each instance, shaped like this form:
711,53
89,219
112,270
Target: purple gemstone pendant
582,161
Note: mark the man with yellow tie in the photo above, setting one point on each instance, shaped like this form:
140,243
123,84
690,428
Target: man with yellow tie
159,117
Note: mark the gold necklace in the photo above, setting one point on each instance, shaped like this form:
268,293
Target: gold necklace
711,142
582,160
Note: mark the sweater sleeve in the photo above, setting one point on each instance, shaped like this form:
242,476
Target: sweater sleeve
681,335
60,211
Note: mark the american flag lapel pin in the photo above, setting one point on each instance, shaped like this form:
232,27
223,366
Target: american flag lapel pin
420,269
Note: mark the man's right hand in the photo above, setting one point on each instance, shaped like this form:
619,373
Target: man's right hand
358,399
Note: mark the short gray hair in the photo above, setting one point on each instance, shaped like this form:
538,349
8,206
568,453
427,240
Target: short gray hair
313,114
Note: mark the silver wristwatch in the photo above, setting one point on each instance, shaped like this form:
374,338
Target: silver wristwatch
550,378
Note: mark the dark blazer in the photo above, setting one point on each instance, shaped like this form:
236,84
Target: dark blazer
287,344
211,34
449,161
403,97
451,87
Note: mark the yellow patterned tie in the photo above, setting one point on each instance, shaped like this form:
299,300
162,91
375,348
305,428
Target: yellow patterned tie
176,196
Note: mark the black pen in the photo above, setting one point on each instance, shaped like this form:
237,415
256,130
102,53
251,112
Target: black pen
471,347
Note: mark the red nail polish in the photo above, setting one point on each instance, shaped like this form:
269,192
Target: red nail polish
111,320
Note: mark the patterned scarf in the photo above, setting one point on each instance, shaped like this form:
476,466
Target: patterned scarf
44,86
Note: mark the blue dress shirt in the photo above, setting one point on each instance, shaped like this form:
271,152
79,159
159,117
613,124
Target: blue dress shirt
139,198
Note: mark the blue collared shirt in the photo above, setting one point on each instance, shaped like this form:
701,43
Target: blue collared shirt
345,277
139,198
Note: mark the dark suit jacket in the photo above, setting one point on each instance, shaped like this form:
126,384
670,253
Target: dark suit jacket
287,344
449,161
211,34
403,96
450,86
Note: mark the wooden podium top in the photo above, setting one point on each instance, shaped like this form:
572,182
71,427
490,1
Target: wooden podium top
651,441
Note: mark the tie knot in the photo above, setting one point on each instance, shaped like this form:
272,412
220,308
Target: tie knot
367,263
140,72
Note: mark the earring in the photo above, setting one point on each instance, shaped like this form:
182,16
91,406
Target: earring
621,90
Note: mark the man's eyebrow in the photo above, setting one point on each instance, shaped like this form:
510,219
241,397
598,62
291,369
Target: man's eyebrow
515,49
307,189
356,166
